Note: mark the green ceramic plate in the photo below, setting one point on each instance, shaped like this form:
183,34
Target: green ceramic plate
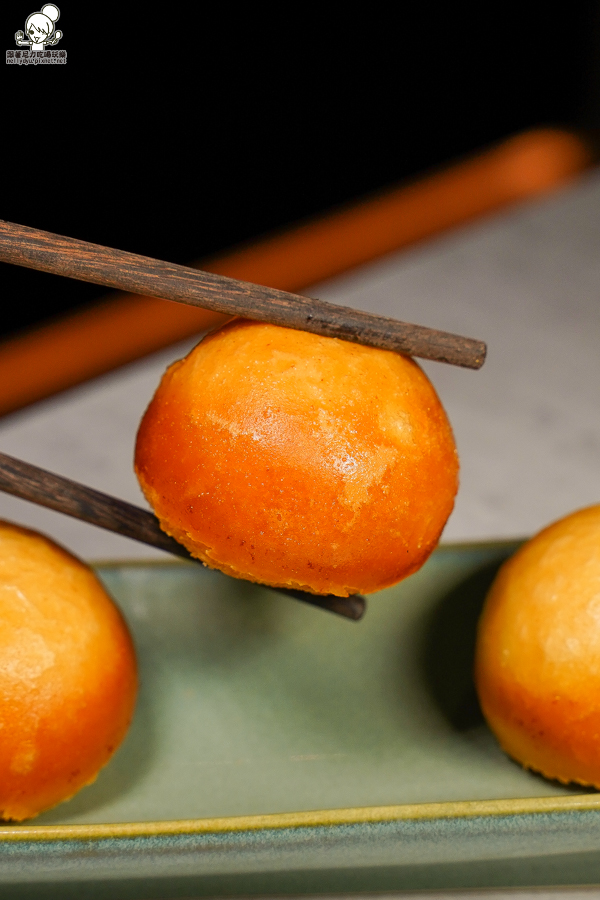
256,710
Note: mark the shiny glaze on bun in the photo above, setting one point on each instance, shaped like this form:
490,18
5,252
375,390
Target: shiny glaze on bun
299,461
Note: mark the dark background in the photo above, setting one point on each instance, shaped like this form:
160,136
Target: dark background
178,134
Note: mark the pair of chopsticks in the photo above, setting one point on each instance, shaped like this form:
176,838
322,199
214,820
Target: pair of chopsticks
115,268
521,167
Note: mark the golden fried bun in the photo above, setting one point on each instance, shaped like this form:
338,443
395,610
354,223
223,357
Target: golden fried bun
67,674
538,652
299,461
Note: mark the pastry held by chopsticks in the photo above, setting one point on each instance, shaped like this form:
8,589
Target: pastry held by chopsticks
299,461
90,262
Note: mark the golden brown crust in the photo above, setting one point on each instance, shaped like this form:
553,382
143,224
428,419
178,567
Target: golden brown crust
538,652
67,674
299,461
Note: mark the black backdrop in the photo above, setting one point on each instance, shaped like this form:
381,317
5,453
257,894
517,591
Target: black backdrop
176,132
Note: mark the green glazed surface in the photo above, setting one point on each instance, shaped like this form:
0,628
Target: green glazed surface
252,704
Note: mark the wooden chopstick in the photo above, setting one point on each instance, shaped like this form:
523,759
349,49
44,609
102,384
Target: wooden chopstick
60,255
29,482
124,327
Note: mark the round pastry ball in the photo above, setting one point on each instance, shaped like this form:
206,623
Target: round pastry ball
67,674
299,461
538,652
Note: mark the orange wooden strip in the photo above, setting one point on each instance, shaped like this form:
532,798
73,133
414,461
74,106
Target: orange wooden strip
91,342
126,327
521,167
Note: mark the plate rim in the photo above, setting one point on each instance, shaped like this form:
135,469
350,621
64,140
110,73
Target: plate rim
322,818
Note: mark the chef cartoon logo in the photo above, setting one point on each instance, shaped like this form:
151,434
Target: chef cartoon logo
39,29
40,34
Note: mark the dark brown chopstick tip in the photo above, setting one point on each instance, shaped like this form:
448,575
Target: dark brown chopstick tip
480,356
353,607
